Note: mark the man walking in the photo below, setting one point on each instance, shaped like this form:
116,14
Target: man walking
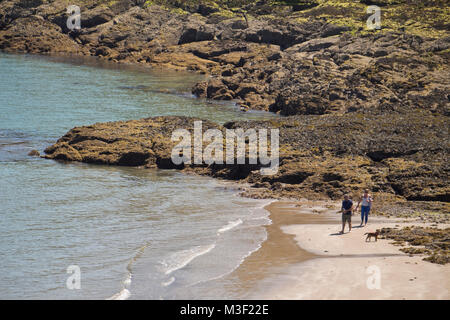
347,208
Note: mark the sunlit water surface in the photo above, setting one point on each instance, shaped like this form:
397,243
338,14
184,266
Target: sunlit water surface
133,233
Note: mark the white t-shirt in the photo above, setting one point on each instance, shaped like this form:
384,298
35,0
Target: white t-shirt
365,201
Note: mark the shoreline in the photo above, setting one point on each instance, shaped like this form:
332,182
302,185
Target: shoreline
269,257
303,258
324,81
278,251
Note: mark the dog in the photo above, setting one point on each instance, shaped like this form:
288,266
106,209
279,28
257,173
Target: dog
372,234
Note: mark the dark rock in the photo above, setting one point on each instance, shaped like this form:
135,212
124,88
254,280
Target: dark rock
34,153
200,89
96,16
196,32
333,30
205,9
304,5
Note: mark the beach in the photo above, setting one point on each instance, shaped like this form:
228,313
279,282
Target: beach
326,265
235,255
94,179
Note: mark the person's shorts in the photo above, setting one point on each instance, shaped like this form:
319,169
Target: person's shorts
346,217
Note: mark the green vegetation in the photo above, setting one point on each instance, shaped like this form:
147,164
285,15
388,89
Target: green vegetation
424,18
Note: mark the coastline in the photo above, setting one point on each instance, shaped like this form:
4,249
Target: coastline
327,80
283,250
279,251
304,258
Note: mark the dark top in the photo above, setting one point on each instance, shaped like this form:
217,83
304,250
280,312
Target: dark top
346,205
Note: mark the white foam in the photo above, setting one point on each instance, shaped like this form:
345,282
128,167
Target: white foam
127,281
234,268
122,295
125,293
182,258
168,282
230,225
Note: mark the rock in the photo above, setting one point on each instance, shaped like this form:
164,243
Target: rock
102,51
304,5
240,24
33,35
333,30
96,16
314,45
433,242
246,88
126,143
63,151
34,153
200,89
244,107
218,90
319,156
205,9
197,32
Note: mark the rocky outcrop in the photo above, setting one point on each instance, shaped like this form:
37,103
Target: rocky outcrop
432,242
33,34
320,157
125,143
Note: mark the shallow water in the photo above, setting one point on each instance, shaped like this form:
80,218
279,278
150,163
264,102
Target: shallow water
133,233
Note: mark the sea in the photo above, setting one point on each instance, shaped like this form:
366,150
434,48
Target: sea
80,231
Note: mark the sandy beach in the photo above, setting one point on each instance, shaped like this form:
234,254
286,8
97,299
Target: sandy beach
326,265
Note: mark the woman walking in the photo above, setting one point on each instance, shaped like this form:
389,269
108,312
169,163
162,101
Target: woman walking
366,203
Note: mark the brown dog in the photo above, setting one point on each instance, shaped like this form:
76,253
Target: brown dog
372,234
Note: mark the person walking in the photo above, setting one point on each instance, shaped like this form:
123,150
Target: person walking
366,203
347,209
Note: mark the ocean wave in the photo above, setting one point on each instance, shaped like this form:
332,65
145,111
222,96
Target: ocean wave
125,293
122,295
229,226
245,256
168,282
127,281
182,258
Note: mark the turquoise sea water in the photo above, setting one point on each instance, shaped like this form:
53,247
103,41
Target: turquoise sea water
133,233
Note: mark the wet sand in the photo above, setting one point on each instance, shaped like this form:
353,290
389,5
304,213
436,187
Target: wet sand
280,250
304,257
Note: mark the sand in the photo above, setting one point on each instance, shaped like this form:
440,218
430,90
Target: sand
326,265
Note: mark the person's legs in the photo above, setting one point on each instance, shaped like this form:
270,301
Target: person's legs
362,215
346,218
365,214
